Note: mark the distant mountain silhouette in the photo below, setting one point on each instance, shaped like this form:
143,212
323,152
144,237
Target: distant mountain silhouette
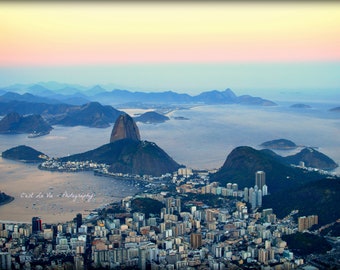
209,97
95,90
151,118
73,100
27,97
279,144
255,101
77,98
130,156
23,107
24,153
56,86
67,106
336,109
300,106
124,128
243,162
215,96
70,93
13,123
47,97
39,90
92,114
123,96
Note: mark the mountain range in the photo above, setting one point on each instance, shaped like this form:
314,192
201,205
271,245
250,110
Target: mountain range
72,105
91,114
209,97
78,95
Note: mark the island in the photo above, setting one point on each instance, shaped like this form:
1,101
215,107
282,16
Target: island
279,144
151,118
4,198
180,118
300,106
24,153
336,109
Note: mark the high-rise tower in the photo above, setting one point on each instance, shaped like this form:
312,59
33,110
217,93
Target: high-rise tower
265,190
195,240
79,220
36,225
260,179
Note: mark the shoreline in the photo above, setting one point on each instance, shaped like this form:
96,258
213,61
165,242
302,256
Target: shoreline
53,196
9,200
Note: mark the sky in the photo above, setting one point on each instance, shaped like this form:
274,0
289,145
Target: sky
182,46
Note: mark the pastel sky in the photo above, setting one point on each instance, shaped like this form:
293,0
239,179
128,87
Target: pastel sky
159,45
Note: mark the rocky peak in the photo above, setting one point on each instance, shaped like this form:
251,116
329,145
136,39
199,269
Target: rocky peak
125,128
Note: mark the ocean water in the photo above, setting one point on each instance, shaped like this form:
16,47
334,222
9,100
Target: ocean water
201,142
212,132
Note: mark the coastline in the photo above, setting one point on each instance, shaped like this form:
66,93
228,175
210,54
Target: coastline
54,196
7,201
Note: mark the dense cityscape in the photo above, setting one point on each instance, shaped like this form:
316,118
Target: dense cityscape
179,221
223,151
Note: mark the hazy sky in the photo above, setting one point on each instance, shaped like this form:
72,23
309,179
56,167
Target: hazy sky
190,46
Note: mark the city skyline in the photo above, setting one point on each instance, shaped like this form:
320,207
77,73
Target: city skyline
185,47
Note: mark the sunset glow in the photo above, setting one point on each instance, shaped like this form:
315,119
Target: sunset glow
37,34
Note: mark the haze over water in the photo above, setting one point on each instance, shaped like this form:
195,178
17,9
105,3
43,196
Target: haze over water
201,142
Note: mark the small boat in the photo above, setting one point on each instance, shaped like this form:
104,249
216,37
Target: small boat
38,134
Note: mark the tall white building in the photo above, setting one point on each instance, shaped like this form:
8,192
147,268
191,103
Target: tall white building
246,194
259,198
252,198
